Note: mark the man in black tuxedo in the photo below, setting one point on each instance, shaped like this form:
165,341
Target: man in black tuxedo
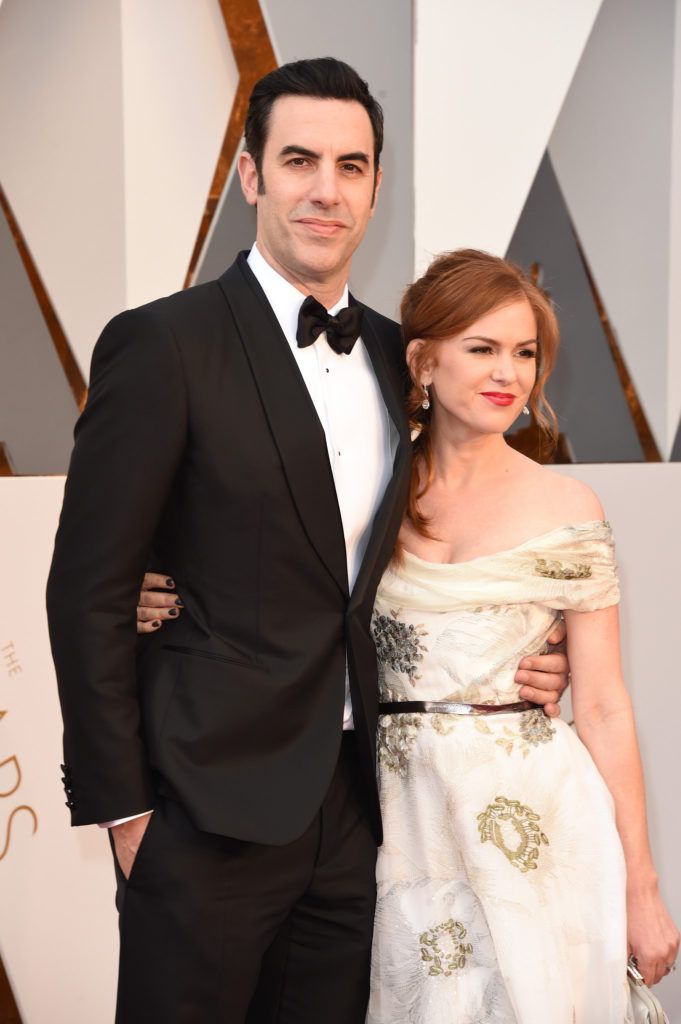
254,445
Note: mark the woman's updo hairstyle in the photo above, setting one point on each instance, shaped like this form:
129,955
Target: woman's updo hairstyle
457,289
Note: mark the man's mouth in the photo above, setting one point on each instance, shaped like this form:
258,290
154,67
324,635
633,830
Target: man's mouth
325,228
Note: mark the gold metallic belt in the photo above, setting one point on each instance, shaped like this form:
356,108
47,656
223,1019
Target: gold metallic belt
449,707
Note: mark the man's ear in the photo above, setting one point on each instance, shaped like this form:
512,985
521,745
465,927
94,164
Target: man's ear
248,173
377,185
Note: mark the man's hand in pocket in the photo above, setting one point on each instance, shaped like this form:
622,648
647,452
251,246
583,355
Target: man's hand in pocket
127,838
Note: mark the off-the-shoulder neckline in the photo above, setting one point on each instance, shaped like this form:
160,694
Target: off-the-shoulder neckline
589,523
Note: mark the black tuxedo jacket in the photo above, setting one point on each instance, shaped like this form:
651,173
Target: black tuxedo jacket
200,452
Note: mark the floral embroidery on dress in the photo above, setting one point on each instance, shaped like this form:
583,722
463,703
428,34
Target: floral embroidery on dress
443,950
396,735
498,823
398,644
555,570
443,724
534,727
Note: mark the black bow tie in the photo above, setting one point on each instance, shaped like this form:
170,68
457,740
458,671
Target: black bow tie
342,330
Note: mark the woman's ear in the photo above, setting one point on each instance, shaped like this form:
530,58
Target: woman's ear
419,368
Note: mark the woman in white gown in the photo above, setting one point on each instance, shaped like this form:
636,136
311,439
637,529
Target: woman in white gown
515,875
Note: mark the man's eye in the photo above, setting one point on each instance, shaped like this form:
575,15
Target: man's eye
351,168
298,161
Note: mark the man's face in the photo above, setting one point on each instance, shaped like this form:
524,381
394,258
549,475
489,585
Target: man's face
317,186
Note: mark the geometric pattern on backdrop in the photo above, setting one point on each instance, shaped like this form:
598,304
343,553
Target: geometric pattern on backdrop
254,57
599,413
676,450
41,386
29,317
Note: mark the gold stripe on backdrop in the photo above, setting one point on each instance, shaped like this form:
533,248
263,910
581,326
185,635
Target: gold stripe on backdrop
9,1014
6,469
56,331
641,425
254,57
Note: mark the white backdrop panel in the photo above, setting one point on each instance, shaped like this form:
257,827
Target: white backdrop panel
674,366
61,157
57,918
490,78
179,80
642,502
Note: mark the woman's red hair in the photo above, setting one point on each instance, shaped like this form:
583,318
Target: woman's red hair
457,289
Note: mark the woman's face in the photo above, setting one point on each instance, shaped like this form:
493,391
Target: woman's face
481,379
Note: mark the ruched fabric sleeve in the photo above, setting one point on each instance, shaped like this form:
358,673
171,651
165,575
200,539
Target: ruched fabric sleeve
579,573
571,567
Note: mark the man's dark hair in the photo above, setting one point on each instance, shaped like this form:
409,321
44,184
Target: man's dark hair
322,77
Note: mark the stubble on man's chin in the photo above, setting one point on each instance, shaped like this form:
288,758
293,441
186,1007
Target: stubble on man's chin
318,264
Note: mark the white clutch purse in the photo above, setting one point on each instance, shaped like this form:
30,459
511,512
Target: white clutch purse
646,1006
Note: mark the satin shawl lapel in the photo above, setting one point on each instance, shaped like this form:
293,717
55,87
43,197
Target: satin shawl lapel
293,420
389,514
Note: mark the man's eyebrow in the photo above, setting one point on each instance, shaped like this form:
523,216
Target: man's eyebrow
492,341
358,156
300,151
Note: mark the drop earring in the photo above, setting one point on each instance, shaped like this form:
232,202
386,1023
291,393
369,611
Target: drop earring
526,411
425,404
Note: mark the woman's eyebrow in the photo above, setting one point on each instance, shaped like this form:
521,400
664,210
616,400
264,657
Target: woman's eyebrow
492,341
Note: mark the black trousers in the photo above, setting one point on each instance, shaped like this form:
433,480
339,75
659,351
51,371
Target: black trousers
219,931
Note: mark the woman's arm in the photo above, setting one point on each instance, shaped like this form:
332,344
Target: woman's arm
605,724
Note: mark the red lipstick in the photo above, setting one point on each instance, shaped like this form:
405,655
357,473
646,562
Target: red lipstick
498,397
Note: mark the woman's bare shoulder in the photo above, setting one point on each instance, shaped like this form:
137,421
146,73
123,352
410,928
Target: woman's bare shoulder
575,500
565,499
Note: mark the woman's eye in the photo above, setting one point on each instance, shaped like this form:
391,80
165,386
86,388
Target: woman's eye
482,349
528,353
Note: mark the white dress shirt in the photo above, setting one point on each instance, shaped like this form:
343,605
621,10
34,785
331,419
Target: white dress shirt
361,439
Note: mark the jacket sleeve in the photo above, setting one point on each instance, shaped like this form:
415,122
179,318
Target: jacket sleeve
129,442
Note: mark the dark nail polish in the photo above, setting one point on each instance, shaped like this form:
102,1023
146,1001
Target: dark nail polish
178,602
170,583
156,623
173,611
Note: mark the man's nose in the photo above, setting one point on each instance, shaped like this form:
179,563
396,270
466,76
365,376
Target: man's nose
324,190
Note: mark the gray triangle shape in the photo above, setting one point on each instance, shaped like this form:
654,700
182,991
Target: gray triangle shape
233,229
676,450
585,389
37,407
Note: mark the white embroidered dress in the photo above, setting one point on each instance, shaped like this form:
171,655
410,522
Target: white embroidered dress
501,881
